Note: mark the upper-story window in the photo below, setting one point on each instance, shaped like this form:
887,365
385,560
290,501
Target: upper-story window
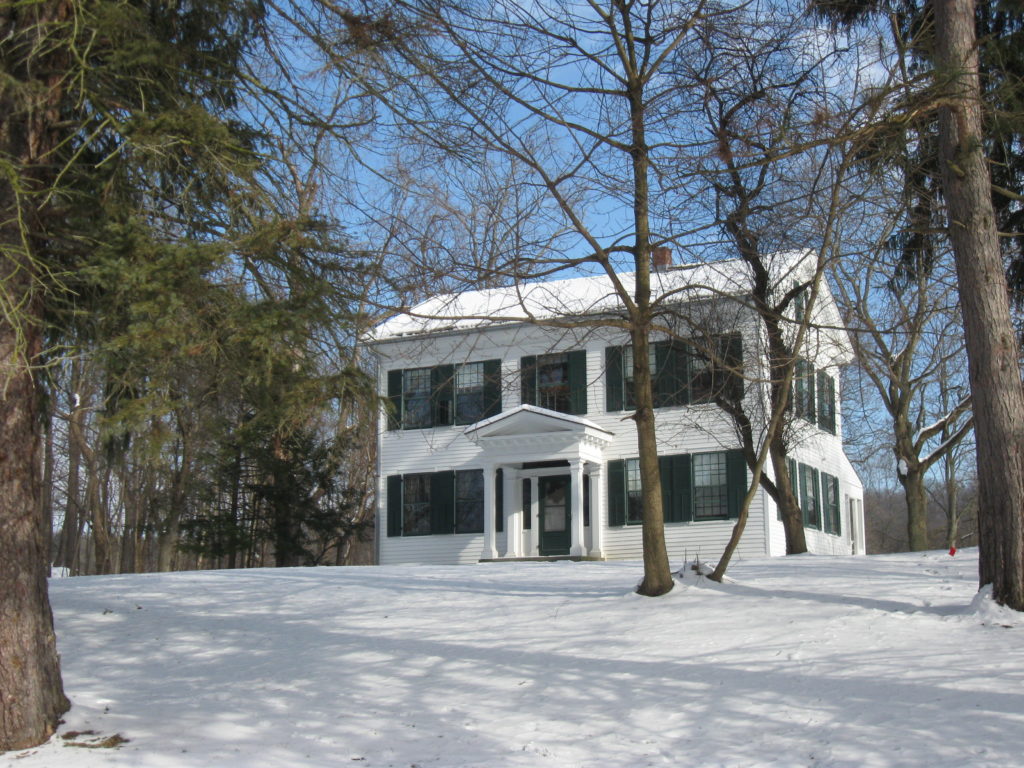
682,373
469,393
557,381
416,392
444,395
814,396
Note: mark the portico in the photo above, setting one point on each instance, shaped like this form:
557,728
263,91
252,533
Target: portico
550,483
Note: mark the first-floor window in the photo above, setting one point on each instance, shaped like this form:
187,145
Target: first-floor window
830,489
810,497
416,505
469,501
710,486
634,496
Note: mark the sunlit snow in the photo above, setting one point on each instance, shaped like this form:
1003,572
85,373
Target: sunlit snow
801,661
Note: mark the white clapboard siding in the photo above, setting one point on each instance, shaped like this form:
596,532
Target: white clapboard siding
691,429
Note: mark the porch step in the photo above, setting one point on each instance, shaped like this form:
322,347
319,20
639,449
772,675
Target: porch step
540,559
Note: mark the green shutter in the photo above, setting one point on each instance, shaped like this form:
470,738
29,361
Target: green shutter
736,477
578,382
442,502
826,402
616,492
675,477
442,395
811,399
816,491
527,504
614,379
804,474
395,399
837,522
665,475
684,486
791,471
499,500
671,379
528,379
732,375
394,505
492,388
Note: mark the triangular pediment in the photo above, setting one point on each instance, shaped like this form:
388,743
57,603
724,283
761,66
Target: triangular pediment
533,420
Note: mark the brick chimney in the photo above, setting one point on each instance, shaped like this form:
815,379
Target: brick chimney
661,258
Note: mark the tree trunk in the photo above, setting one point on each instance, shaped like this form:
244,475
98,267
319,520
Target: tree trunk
657,573
917,506
789,507
991,344
31,694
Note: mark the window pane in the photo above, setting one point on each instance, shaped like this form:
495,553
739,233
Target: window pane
634,497
416,505
553,382
469,393
469,501
416,396
710,486
702,384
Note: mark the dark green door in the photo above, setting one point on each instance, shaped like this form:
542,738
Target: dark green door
554,515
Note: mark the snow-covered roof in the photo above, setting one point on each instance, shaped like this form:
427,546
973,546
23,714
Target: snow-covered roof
572,297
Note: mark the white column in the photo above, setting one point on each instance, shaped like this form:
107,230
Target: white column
513,514
532,551
598,514
490,551
576,508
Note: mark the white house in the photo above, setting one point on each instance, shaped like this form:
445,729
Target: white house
509,438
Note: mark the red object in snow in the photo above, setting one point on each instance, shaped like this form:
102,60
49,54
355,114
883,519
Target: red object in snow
952,551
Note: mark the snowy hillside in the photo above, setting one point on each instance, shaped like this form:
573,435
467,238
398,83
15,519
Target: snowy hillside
806,661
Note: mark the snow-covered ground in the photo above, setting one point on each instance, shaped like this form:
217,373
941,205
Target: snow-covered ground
878,661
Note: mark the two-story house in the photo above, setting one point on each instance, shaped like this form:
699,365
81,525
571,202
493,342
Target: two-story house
507,437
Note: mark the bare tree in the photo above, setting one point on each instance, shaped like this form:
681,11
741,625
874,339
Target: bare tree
580,99
907,335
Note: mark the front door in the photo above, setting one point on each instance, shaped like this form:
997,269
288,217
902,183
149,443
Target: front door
554,510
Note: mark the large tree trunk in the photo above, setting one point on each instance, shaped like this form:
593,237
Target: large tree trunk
31,695
991,345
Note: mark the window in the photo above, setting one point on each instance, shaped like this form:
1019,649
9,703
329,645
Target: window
416,392
710,488
469,393
553,382
416,505
826,402
469,501
444,395
830,489
434,503
803,390
701,486
810,497
557,382
673,375
681,373
634,497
